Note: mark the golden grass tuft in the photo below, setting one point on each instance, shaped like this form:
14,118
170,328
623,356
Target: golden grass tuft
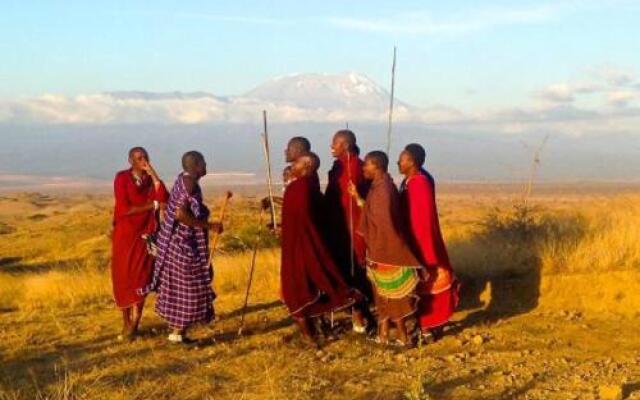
609,242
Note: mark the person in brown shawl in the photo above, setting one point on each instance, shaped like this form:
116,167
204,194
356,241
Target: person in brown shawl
312,284
391,265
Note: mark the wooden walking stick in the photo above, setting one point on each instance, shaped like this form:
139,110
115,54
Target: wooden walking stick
267,160
216,235
272,209
351,233
251,269
393,84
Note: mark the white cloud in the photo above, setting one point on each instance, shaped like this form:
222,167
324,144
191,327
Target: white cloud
557,93
621,98
425,23
614,76
607,86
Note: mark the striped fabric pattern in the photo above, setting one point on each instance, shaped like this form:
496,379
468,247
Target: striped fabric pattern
182,273
392,281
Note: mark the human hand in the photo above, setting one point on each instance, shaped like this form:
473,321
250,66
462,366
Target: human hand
148,168
162,212
353,191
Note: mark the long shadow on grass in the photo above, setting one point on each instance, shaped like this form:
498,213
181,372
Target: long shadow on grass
15,266
231,334
251,309
33,369
500,266
8,261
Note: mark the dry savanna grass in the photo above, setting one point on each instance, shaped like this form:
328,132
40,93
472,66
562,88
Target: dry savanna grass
549,290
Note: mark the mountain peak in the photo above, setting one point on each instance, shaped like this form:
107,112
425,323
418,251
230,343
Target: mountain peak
350,90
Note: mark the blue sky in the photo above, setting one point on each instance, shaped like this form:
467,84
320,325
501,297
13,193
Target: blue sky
465,54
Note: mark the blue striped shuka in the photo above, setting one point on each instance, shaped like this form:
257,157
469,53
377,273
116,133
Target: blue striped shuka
182,273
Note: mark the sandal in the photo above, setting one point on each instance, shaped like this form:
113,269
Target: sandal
360,329
176,338
427,338
431,335
127,335
400,344
378,340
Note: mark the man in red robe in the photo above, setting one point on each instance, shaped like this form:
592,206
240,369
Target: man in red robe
297,147
139,195
439,290
312,285
343,217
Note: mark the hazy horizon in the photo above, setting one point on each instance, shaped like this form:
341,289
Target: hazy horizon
480,86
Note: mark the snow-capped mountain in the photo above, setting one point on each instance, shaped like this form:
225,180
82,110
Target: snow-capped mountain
310,97
324,91
305,91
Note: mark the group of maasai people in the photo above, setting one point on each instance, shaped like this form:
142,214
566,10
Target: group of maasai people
161,244
362,247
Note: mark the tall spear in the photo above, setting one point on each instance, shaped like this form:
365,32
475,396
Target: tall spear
267,159
252,268
393,84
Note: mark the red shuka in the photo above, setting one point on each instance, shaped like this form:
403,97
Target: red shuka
131,266
439,294
311,282
339,203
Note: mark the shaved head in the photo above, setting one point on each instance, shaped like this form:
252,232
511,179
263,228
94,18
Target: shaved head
305,165
300,143
379,159
348,136
297,147
344,141
191,158
138,149
417,153
193,163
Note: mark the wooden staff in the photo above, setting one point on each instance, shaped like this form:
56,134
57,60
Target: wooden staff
393,84
216,235
251,269
267,159
351,234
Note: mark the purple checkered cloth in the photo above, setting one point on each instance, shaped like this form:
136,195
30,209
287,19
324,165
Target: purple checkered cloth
182,273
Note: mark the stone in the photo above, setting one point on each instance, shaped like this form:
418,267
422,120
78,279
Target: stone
477,340
610,392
